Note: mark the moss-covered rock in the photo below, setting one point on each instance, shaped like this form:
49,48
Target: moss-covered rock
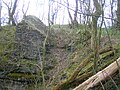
30,35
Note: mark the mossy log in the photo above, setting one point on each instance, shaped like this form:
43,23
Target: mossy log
84,75
80,67
100,76
81,78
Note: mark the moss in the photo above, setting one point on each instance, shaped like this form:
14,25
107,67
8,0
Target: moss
106,58
21,75
7,48
7,40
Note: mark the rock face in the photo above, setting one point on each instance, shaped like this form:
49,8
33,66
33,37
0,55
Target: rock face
30,34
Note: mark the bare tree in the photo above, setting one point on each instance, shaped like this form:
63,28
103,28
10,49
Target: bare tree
80,11
0,12
76,11
74,21
23,9
71,19
11,11
54,11
94,42
112,11
88,12
118,14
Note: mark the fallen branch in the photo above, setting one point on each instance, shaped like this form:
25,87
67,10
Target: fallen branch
100,76
80,67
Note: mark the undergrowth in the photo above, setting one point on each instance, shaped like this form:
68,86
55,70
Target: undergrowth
75,41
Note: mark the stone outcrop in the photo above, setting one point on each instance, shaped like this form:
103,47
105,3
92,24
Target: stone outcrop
30,34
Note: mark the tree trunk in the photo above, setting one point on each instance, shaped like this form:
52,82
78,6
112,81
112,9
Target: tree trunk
71,19
94,42
9,14
75,14
0,12
111,3
118,14
74,22
13,12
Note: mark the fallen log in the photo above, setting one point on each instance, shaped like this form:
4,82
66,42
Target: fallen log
100,76
84,75
60,85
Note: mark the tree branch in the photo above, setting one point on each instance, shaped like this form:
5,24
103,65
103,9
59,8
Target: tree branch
86,13
100,76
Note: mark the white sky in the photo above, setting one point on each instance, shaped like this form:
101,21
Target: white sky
39,8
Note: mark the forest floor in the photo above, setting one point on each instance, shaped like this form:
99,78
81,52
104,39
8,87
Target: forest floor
69,60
